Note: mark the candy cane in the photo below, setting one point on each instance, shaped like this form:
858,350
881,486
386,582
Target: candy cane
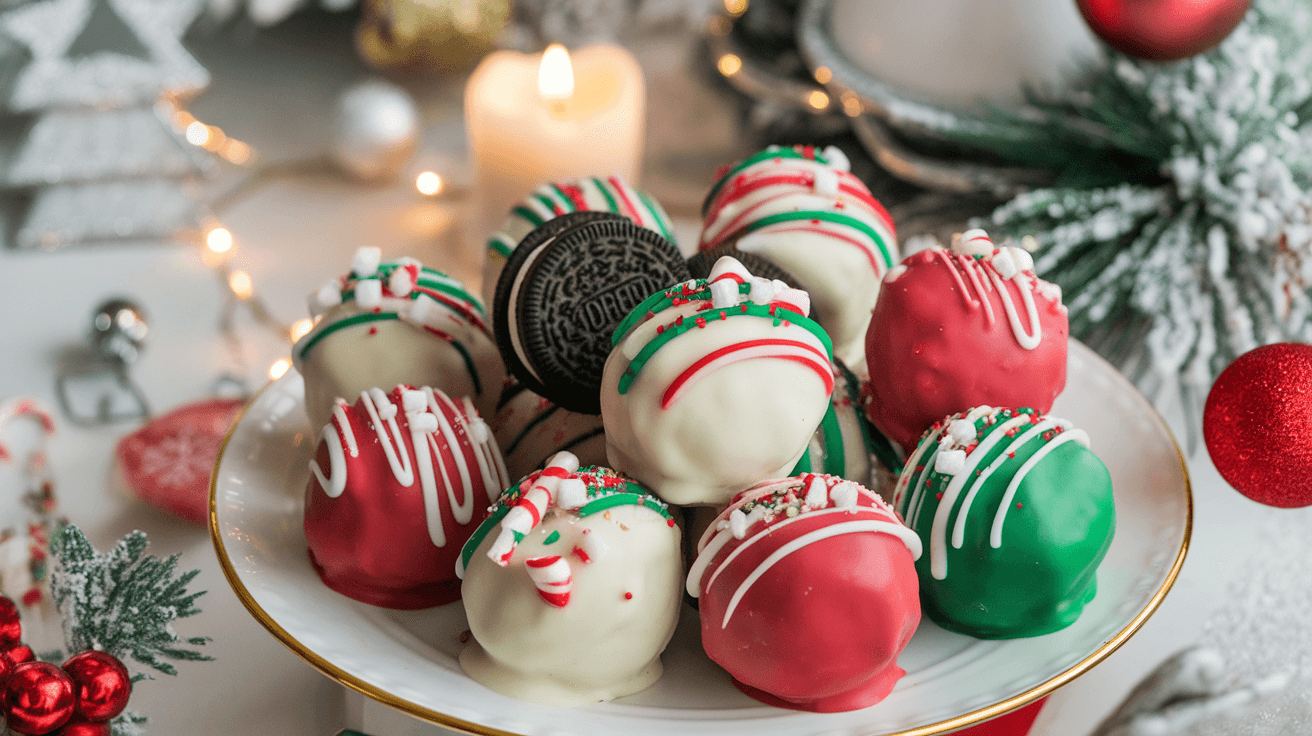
552,577
530,507
590,547
24,407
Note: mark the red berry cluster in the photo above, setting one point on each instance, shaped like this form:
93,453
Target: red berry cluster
78,699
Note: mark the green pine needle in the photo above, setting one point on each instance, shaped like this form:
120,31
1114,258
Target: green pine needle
123,602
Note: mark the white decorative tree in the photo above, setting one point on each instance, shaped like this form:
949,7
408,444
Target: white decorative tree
91,155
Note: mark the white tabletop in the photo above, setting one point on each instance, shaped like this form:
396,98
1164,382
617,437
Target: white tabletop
291,237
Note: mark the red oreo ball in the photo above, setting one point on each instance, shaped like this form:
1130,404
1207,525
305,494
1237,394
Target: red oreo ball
955,329
808,593
398,483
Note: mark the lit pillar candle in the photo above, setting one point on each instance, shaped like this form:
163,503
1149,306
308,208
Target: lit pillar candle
535,118
963,53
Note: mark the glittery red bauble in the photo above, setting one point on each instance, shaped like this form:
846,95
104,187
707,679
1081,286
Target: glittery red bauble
168,462
1258,424
38,698
21,654
7,665
102,683
1163,30
11,628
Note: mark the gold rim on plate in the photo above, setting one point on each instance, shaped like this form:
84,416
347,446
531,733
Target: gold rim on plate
942,727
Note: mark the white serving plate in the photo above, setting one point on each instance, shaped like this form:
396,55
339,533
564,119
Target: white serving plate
407,660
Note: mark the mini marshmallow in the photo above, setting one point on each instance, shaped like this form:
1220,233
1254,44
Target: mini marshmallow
962,431
571,493
413,401
950,462
1024,261
763,291
400,283
365,263
420,311
795,299
369,293
1004,263
738,524
422,421
844,495
724,294
817,496
826,182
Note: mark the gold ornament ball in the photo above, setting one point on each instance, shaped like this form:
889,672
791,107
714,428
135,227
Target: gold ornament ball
431,35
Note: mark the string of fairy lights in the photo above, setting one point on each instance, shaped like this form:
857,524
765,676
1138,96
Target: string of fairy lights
219,246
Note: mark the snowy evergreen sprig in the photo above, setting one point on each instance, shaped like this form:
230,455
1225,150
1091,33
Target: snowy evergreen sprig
123,602
1181,227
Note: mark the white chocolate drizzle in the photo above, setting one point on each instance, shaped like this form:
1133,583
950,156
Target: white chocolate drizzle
430,416
824,496
969,480
991,272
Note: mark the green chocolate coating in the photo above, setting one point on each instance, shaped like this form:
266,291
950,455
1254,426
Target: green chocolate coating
1056,531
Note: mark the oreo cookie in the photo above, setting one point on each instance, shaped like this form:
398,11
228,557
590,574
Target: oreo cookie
563,292
700,264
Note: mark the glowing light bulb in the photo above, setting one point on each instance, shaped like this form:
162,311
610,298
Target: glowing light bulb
301,328
729,64
735,7
240,283
279,368
219,240
556,74
817,99
429,183
198,133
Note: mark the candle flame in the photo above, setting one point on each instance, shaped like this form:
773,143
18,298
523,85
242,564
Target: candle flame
556,74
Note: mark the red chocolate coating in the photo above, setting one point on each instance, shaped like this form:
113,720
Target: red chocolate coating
372,543
822,628
932,350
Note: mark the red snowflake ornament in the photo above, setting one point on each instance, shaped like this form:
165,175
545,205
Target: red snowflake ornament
168,462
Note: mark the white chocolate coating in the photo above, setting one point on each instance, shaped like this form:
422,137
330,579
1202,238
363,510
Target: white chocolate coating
728,429
531,429
387,353
840,266
603,644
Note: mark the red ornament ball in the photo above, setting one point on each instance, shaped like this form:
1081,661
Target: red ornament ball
7,665
11,627
102,683
1163,30
20,654
1258,424
38,698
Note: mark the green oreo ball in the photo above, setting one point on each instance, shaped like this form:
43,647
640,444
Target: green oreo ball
1015,514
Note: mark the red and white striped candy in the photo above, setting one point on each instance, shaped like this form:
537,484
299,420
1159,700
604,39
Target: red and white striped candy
530,507
552,577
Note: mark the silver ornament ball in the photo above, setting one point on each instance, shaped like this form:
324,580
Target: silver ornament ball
376,130
118,330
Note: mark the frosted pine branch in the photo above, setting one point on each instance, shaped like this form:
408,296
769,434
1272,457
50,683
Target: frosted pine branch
123,602
1209,237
